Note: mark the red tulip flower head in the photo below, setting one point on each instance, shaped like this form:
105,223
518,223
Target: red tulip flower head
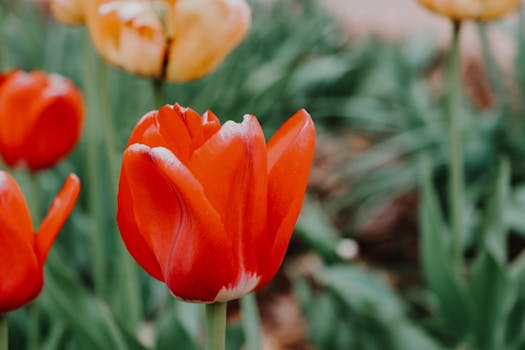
210,209
41,118
22,252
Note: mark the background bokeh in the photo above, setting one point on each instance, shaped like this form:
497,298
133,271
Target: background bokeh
371,74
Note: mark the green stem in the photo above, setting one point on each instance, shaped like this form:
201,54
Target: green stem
33,339
4,335
34,311
4,49
35,200
110,139
131,301
251,321
94,179
456,171
159,96
216,326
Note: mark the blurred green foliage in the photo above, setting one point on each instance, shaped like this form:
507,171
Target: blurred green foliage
96,298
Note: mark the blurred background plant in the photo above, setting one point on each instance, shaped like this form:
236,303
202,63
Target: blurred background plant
355,276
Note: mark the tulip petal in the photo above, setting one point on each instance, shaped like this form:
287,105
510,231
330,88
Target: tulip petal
173,128
181,130
14,213
290,154
127,34
56,217
136,244
176,219
205,31
147,132
19,92
68,11
231,166
21,274
57,128
211,124
483,10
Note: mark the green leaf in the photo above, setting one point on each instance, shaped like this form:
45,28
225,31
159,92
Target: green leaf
322,318
361,290
171,331
377,315
316,229
440,273
492,297
495,226
405,335
66,300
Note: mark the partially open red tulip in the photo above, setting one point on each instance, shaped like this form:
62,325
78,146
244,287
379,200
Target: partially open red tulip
210,209
22,252
41,118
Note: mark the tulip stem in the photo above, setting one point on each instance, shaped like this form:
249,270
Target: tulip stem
4,334
131,300
456,171
97,248
216,326
159,97
34,311
251,321
35,200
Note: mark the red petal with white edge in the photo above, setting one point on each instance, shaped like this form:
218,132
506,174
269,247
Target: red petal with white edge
56,216
21,273
184,230
231,166
210,124
173,128
137,245
290,154
14,213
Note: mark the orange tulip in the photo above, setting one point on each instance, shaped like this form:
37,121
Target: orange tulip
177,40
210,209
68,11
483,10
41,118
22,252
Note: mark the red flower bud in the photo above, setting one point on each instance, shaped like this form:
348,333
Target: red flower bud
22,252
41,118
210,210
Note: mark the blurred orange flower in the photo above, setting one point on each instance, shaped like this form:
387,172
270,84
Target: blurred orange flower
41,117
482,10
68,11
178,40
22,252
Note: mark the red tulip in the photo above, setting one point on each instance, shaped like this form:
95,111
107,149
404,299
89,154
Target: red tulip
22,252
210,210
41,118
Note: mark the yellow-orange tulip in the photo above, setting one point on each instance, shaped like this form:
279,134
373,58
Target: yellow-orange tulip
128,34
482,10
178,40
204,32
68,11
